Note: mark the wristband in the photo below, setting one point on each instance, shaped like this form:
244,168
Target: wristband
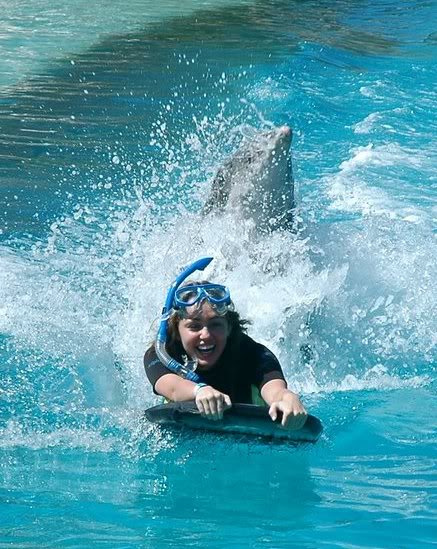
198,387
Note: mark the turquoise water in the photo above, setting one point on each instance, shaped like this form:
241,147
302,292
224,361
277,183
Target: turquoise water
113,117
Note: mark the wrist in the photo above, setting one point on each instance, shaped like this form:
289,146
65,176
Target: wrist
197,388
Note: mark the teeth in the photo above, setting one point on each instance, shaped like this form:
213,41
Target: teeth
204,349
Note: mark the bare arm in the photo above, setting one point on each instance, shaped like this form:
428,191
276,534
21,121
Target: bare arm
276,394
175,388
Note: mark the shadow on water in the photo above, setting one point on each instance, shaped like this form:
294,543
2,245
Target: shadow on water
187,491
212,484
59,130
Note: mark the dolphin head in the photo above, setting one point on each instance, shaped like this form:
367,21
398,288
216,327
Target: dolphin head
256,182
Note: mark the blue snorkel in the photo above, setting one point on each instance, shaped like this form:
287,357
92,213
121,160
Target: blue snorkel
184,370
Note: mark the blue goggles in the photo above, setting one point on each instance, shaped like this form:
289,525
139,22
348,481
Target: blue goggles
216,294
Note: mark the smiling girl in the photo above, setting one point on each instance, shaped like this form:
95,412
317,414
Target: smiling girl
204,330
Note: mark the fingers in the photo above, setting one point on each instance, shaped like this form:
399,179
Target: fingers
211,403
212,407
273,411
293,418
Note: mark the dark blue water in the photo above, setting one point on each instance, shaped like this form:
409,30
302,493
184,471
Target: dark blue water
112,121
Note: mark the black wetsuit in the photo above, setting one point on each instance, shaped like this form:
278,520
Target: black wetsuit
241,366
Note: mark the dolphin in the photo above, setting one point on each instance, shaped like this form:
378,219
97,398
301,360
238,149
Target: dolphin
256,182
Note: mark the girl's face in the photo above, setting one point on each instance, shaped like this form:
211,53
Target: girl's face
204,335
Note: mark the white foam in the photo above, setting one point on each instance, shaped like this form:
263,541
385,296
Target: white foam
378,120
13,436
353,190
272,280
353,292
377,90
375,378
94,430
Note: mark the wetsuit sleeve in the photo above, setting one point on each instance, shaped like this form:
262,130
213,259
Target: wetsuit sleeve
154,367
267,366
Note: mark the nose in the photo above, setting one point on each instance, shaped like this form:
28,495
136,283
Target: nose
204,333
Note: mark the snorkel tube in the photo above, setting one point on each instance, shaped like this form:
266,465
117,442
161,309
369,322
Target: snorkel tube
184,370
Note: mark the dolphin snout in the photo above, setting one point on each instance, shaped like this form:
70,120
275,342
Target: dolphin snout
280,135
285,130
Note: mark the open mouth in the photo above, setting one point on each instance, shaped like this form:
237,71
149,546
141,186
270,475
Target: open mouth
205,349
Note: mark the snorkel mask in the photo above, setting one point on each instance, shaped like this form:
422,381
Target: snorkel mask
218,297
178,299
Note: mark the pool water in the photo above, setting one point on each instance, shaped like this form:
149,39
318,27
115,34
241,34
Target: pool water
113,119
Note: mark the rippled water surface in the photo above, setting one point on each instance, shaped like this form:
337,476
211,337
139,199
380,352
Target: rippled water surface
113,119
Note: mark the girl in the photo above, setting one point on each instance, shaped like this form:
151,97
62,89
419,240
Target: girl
204,330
